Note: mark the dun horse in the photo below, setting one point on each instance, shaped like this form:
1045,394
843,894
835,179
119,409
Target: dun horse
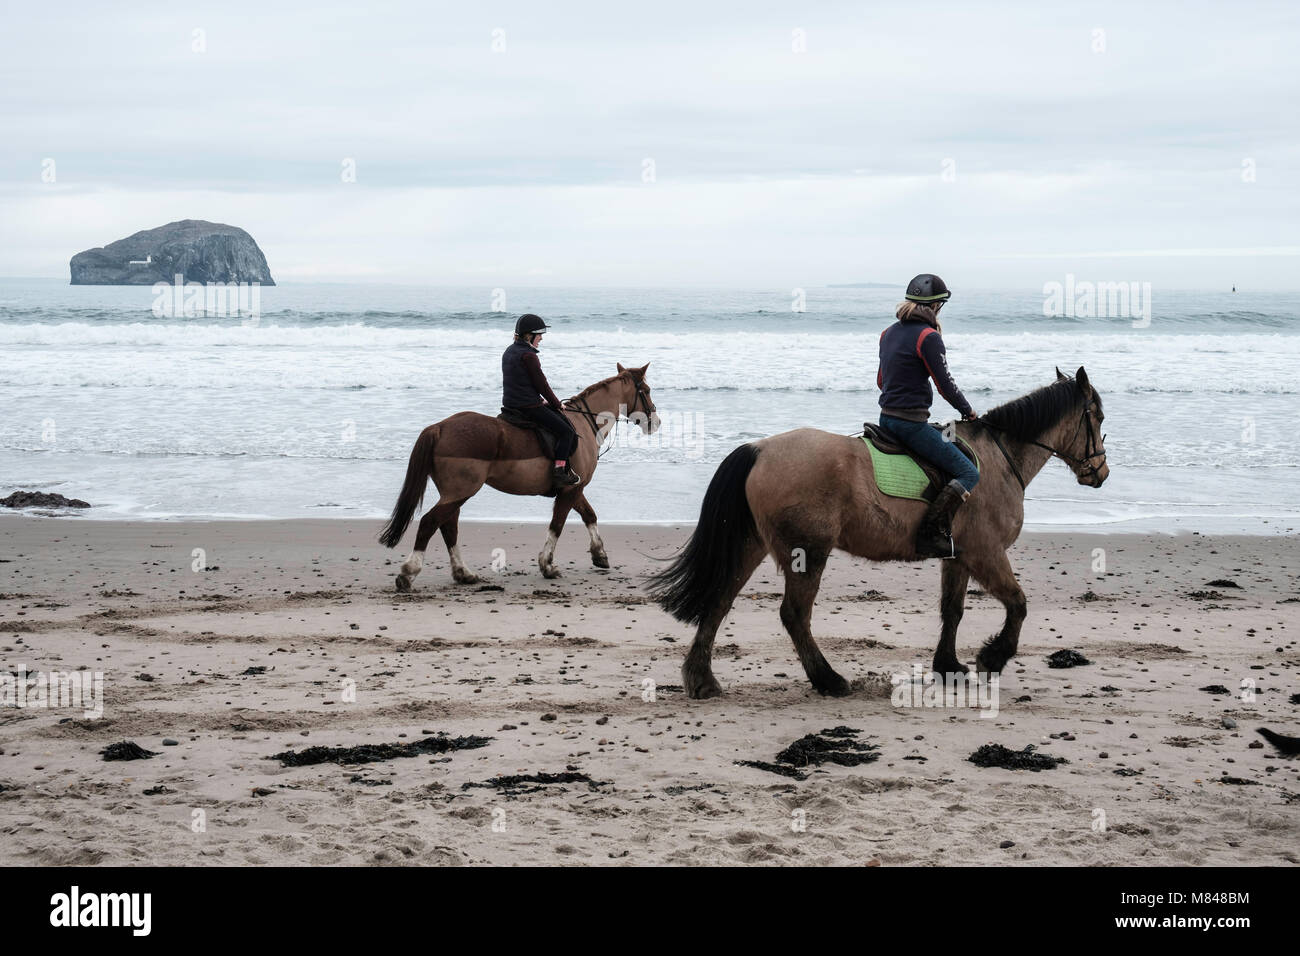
799,495
468,450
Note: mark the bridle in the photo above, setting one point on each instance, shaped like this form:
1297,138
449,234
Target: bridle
583,408
1077,465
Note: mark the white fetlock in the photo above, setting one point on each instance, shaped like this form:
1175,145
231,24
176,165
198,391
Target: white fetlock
546,558
413,565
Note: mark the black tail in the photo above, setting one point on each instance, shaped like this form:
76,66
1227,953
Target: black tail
1284,744
418,470
691,586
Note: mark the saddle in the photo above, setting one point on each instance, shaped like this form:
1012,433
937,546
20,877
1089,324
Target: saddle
899,473
544,437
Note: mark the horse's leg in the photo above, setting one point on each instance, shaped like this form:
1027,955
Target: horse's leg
433,518
994,572
564,501
697,670
952,604
802,566
449,528
588,515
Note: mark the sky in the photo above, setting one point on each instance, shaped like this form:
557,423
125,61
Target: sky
668,144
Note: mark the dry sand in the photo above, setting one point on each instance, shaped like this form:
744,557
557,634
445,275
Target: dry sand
553,672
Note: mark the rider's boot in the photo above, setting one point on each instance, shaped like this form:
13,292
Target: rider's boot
934,535
563,476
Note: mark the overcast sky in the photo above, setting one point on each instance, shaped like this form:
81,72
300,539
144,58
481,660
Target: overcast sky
991,143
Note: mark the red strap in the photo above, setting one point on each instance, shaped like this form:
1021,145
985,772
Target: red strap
880,369
919,339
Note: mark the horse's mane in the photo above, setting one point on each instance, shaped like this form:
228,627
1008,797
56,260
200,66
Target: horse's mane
591,388
1027,417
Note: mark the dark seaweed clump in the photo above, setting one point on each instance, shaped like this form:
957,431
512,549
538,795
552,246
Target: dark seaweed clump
1216,689
1067,659
773,768
829,746
373,753
514,784
832,745
126,750
996,755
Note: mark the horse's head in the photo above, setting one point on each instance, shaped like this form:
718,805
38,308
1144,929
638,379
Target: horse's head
1085,448
636,398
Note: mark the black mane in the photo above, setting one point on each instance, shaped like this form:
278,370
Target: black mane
1027,417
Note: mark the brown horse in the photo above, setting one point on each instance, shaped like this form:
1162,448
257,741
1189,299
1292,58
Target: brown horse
798,495
468,450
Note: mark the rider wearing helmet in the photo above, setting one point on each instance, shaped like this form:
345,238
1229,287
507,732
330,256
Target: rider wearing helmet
526,391
911,354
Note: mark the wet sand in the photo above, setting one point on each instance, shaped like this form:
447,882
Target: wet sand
554,672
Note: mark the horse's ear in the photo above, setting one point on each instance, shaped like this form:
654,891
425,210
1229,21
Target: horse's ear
621,369
1059,374
1082,378
643,368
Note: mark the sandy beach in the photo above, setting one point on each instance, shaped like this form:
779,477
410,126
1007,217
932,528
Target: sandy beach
290,636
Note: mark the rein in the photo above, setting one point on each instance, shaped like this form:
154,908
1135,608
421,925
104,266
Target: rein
1093,470
584,409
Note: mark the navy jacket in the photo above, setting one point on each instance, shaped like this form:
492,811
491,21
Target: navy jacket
912,353
523,384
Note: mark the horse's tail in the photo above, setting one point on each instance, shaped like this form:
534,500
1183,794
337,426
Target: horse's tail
418,470
689,589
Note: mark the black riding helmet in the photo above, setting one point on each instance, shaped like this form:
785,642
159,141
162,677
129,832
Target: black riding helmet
927,288
530,324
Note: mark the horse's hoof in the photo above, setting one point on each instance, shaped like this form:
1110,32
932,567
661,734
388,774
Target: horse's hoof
703,689
991,664
833,686
949,666
600,559
465,577
403,584
551,573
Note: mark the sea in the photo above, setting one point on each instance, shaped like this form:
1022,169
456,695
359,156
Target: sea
310,407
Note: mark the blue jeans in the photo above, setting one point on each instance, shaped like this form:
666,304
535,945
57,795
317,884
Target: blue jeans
928,442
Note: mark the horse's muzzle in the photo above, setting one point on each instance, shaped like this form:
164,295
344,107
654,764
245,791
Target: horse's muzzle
1095,477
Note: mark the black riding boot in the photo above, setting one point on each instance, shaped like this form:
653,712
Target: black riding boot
934,535
563,477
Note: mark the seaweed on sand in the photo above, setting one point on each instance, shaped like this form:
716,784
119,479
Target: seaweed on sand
832,745
996,755
373,753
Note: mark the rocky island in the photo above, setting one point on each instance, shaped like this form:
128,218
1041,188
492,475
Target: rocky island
197,250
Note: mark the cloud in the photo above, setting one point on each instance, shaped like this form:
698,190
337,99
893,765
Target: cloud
770,165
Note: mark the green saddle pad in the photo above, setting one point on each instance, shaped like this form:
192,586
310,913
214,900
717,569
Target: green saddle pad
899,476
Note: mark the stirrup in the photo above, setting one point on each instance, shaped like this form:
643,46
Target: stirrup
951,546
